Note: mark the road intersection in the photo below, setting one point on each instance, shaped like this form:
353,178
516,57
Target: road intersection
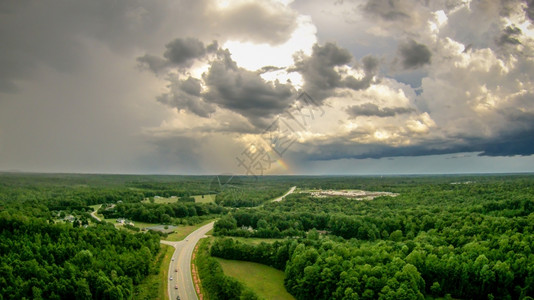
181,285
180,266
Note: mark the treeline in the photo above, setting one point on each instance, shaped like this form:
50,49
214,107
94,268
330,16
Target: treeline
214,282
275,254
45,200
161,213
61,195
39,260
323,268
62,191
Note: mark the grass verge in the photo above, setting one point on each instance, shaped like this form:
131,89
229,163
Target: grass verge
155,285
196,277
182,231
265,281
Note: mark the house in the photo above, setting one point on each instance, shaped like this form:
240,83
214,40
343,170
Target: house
69,218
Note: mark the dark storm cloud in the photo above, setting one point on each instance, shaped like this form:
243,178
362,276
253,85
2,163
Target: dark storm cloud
509,36
414,55
509,142
320,74
513,139
181,52
376,151
512,143
245,92
226,85
370,67
267,69
370,64
390,10
516,138
517,143
185,94
191,86
318,69
343,150
152,62
370,109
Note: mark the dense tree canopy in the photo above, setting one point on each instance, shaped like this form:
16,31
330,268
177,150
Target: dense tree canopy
471,239
57,261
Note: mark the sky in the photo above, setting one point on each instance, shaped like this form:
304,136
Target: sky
267,87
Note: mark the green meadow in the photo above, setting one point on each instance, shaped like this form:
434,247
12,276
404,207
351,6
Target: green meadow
265,281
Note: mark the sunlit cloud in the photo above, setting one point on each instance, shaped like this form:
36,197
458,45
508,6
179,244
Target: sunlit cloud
187,85
253,56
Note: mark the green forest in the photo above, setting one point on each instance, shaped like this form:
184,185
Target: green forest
451,237
440,237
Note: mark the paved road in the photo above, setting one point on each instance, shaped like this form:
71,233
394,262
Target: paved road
181,261
291,190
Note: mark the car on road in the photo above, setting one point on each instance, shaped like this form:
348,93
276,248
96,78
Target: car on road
170,278
175,270
176,287
172,259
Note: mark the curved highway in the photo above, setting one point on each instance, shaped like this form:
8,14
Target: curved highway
181,283
180,266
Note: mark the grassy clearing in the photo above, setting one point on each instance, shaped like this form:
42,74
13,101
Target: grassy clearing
265,281
155,285
206,199
184,230
162,200
95,207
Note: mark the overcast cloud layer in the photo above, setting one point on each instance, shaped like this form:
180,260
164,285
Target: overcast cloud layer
196,86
